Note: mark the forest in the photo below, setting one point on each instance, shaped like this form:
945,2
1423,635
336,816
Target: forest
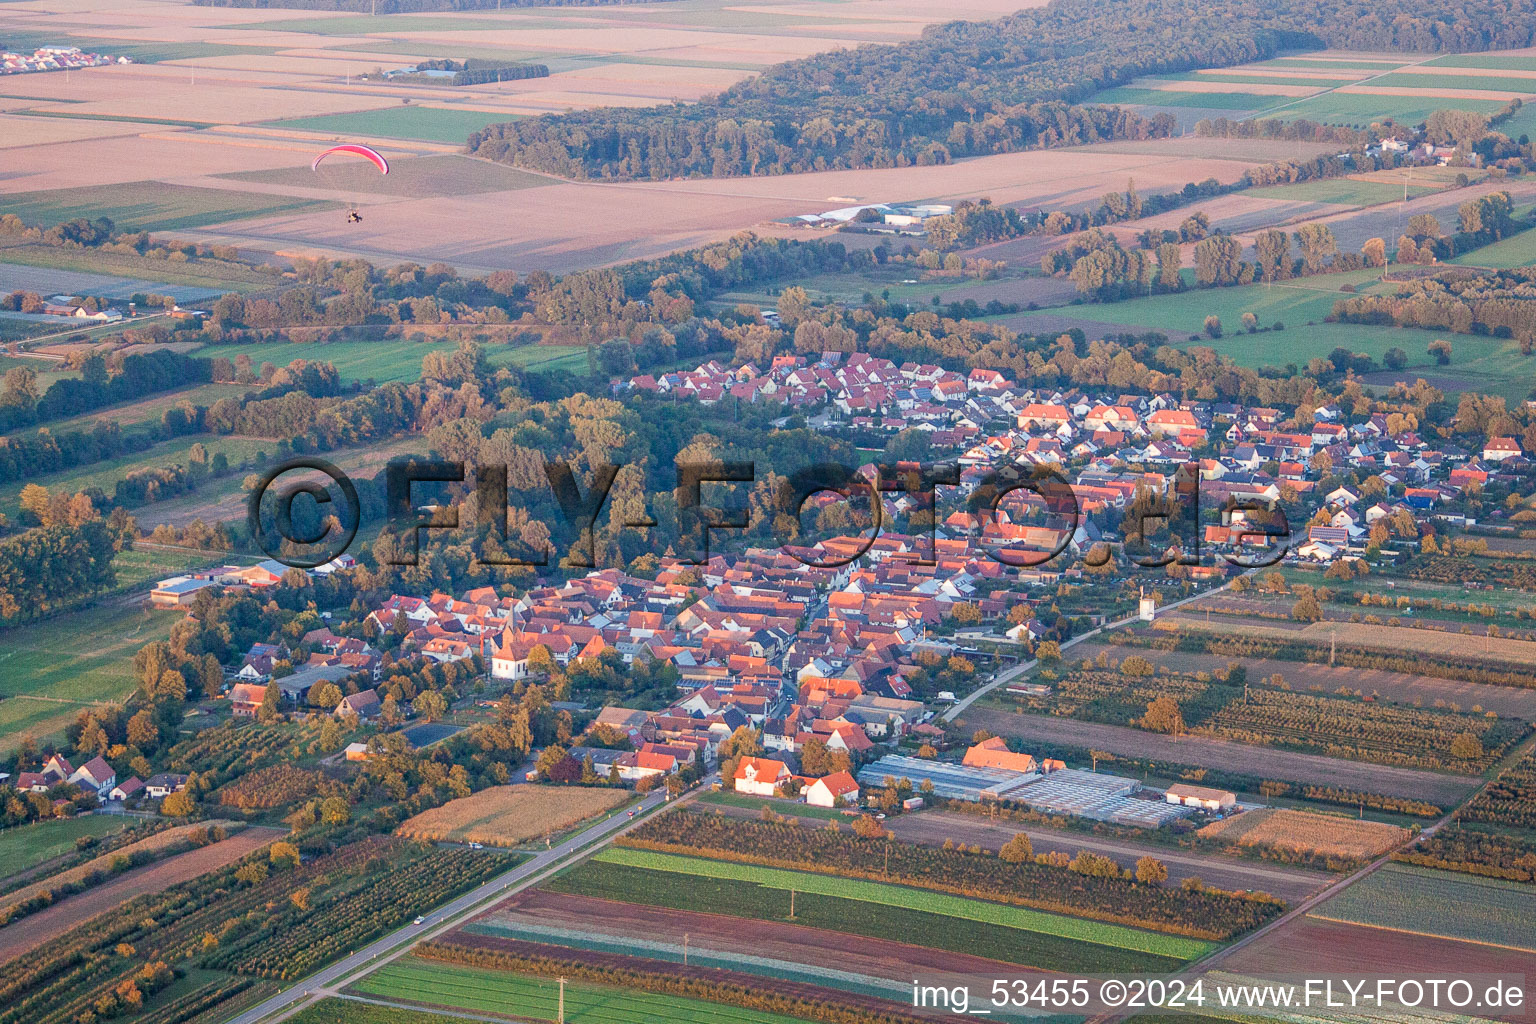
974,88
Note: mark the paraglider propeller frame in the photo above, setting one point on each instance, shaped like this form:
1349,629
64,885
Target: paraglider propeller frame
368,153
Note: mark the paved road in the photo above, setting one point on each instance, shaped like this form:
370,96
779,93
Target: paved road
1007,676
331,980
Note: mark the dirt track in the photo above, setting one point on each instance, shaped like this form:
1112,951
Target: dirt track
1265,762
32,931
933,827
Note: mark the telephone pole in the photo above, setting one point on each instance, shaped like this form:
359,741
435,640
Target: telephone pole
560,1010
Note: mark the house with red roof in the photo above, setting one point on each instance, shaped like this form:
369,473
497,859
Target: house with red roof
837,789
760,776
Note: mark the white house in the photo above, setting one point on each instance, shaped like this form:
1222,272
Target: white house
827,792
1202,797
95,774
760,776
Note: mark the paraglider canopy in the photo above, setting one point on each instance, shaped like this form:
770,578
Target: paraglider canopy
373,156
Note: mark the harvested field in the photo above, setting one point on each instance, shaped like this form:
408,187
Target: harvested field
508,815
32,931
1427,902
1306,676
932,828
1307,832
788,943
1309,945
587,224
1435,787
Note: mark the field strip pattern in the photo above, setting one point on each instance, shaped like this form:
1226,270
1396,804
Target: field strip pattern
927,901
506,994
672,952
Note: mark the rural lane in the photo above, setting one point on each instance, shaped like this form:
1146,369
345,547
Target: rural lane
329,981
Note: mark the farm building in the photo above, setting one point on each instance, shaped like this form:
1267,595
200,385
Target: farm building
177,592
1202,797
954,781
994,753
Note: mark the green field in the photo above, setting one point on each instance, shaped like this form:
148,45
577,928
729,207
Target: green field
106,474
1432,902
1344,191
27,846
150,205
1522,123
417,177
428,124
395,359
924,900
1478,60
87,658
1489,83
1360,110
1130,96
487,991
1517,250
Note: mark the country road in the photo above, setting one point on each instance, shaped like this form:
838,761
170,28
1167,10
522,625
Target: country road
331,980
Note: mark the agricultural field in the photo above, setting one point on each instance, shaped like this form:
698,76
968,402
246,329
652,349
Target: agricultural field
424,124
509,815
240,451
151,205
27,846
152,846
1341,191
476,989
1341,727
1428,691
431,175
329,1011
35,929
396,359
1425,902
788,951
1441,789
1364,634
1306,832
88,660
1309,944
934,827
742,899
900,897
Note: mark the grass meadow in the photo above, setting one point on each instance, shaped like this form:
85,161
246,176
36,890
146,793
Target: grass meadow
27,846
